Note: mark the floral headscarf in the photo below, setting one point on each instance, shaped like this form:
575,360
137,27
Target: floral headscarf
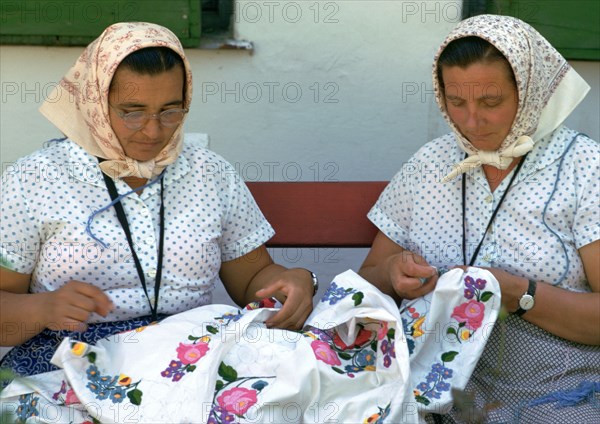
79,104
548,88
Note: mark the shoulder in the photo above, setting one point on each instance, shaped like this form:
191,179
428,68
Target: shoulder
442,150
572,147
200,156
432,161
53,151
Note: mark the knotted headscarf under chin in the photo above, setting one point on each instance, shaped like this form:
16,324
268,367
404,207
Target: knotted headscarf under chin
78,106
548,88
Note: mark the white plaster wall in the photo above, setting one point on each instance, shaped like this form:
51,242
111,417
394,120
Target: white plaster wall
334,90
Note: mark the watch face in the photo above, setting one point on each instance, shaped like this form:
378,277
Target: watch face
526,302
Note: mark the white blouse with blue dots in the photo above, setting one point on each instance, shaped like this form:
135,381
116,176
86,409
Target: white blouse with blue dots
425,216
210,217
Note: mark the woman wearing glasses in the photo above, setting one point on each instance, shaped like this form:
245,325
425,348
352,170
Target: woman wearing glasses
139,224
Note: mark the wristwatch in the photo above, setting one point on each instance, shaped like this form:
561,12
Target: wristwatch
527,301
315,281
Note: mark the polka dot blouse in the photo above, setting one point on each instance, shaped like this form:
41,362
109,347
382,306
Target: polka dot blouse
210,217
551,210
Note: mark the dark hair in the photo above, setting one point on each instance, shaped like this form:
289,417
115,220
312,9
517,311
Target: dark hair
152,60
465,51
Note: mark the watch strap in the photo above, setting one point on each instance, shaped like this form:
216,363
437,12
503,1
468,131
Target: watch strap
531,292
315,280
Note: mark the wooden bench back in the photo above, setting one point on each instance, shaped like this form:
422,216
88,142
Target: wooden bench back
318,214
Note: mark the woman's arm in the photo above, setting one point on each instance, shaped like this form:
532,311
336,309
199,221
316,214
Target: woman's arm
396,271
567,314
24,315
254,276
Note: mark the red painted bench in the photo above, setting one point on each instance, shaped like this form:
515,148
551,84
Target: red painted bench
318,214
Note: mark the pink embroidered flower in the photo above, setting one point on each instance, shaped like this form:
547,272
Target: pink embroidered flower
324,353
237,400
71,398
191,353
471,313
382,332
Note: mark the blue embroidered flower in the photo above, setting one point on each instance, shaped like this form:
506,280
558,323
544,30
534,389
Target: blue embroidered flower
334,294
118,395
27,407
431,377
442,386
365,358
446,373
423,387
93,373
437,367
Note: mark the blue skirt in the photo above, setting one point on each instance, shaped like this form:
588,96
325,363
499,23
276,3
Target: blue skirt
33,356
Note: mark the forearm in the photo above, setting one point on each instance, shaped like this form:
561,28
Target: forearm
570,315
567,314
379,275
20,317
261,280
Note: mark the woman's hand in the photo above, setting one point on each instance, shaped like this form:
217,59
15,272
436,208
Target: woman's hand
70,307
410,275
397,272
24,315
293,288
254,276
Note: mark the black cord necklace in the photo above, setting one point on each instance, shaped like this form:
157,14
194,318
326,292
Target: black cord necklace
464,207
112,190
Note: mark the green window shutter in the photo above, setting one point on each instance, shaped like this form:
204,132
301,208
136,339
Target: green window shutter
78,22
572,26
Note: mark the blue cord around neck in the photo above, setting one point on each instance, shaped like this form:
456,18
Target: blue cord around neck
88,227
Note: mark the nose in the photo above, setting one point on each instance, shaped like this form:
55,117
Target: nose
152,129
472,117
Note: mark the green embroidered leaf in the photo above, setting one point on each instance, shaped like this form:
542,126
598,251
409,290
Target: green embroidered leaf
219,385
135,396
374,345
391,333
358,297
422,399
192,338
451,330
339,371
91,357
449,356
485,296
212,330
190,368
227,372
345,356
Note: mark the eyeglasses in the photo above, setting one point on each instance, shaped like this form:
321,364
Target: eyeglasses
137,120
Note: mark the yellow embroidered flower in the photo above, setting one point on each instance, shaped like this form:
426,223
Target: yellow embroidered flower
464,334
205,339
79,348
418,331
373,418
124,380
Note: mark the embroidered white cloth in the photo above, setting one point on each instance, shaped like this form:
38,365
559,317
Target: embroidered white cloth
217,364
